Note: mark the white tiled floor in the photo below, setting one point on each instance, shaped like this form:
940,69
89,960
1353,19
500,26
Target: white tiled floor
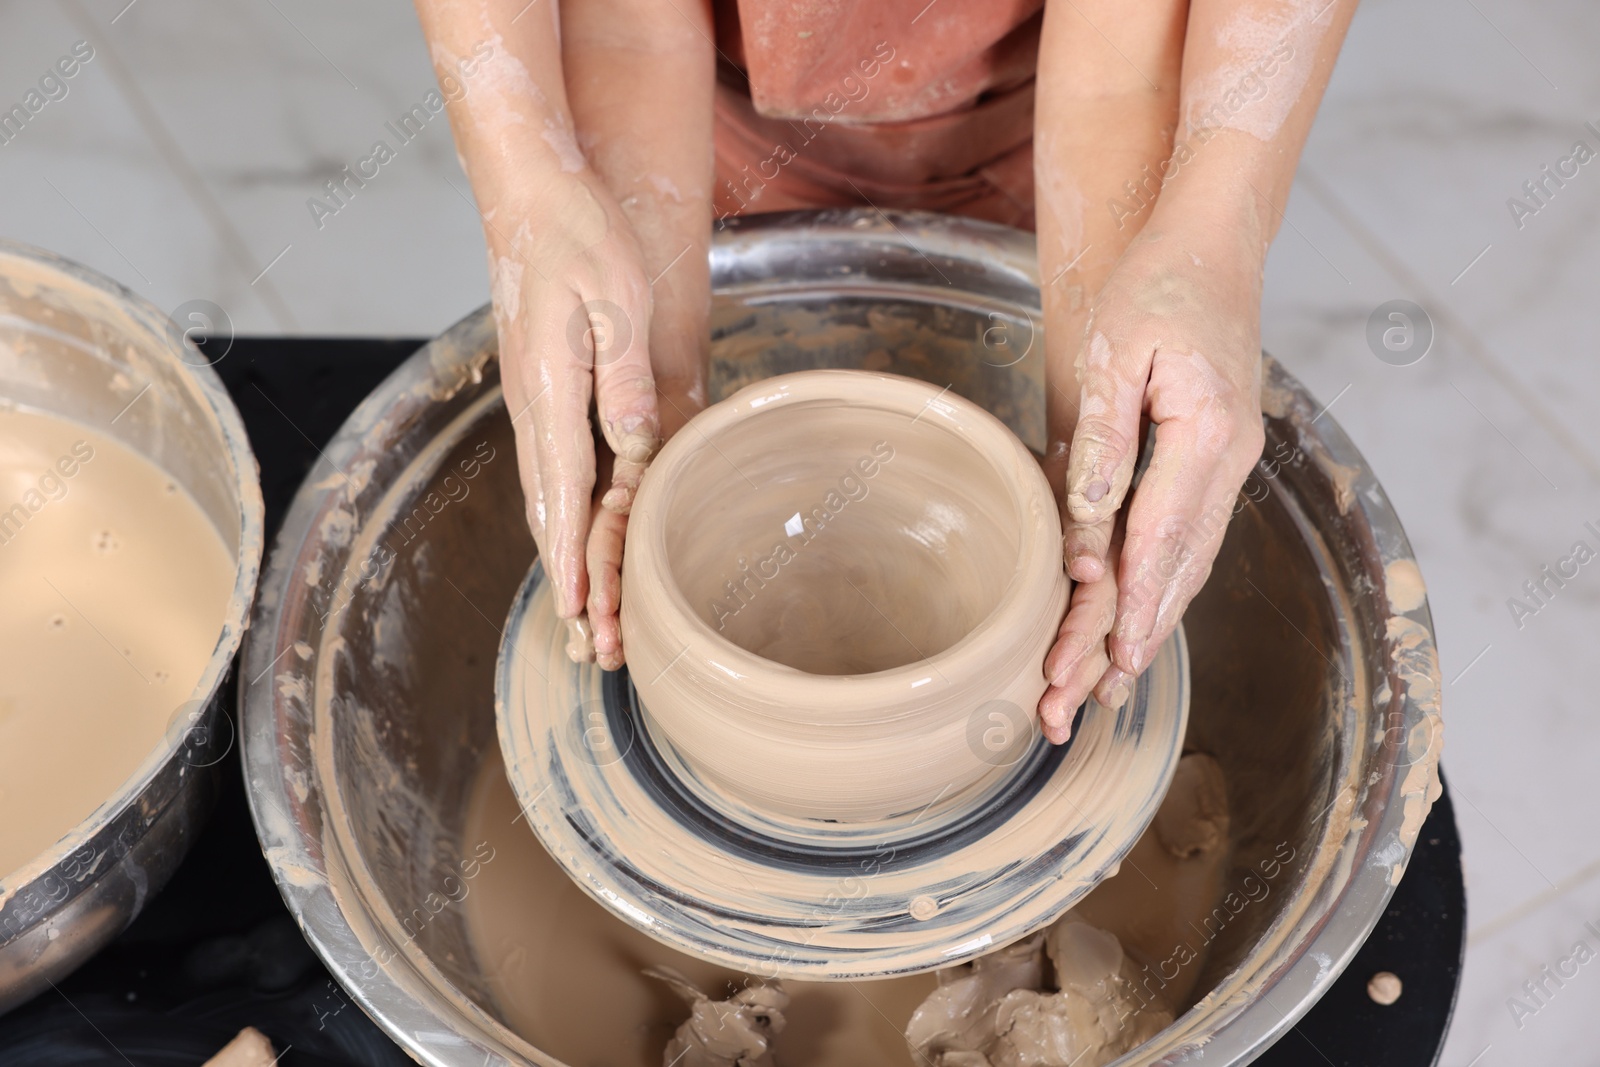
182,158
185,152
1438,113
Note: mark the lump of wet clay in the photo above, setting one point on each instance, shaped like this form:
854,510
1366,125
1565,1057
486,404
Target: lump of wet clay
1097,1013
1193,818
958,1021
1162,905
1000,1015
249,1048
736,1032
1122,963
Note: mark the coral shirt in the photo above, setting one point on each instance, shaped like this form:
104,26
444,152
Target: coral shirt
895,103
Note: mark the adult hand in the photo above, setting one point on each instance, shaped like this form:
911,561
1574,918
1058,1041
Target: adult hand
1174,336
585,130
572,305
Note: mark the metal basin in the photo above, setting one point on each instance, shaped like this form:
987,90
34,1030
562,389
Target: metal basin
368,713
76,344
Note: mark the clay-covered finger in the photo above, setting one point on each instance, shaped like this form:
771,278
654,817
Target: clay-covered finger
617,341
564,442
569,451
605,586
580,640
1174,529
1060,702
526,439
1114,687
1181,566
1105,445
1176,602
625,476
1079,657
1086,547
1088,621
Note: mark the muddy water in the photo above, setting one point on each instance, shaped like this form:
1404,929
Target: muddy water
568,975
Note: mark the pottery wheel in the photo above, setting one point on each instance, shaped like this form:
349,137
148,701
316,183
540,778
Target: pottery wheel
815,899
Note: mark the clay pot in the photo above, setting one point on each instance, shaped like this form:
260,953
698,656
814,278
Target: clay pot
838,587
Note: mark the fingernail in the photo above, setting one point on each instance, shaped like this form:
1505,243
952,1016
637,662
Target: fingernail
1096,490
607,642
1085,566
1127,645
619,499
580,640
1059,728
638,447
1118,695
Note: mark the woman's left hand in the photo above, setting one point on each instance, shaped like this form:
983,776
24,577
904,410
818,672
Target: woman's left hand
1174,335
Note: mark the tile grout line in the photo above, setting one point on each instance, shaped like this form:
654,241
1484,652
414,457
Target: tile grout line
171,152
1460,794
1467,337
1537,902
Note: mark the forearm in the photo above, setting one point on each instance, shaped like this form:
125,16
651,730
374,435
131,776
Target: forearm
1176,338
1107,106
1254,72
512,125
640,77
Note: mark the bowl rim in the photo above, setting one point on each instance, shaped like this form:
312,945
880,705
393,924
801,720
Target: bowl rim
987,437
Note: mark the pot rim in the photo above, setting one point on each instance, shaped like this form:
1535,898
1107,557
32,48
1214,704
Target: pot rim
991,638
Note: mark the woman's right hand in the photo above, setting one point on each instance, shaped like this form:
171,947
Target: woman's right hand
585,130
572,306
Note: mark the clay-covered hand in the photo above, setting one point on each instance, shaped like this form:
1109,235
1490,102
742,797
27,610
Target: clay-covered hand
1173,336
572,305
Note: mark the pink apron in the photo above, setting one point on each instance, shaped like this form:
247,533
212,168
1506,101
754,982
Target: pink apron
895,103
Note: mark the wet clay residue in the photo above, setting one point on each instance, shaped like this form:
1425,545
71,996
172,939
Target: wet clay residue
1121,965
1099,982
572,979
736,1032
1402,581
250,1048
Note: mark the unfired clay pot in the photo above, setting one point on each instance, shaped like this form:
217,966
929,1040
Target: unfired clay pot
835,583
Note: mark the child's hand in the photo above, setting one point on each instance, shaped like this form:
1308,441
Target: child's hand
1174,335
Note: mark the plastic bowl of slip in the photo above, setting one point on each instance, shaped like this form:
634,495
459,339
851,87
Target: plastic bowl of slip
130,539
373,762
822,761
